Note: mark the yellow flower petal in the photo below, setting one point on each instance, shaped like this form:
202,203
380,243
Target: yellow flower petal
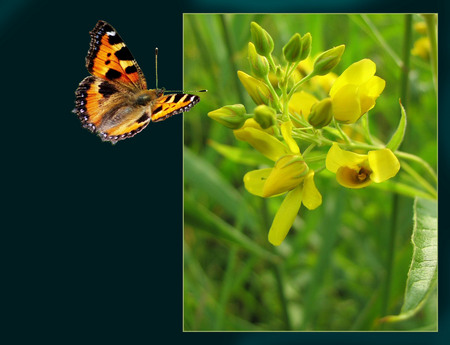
301,103
286,131
384,165
254,181
311,195
369,92
353,177
346,104
268,145
288,173
285,216
356,74
337,158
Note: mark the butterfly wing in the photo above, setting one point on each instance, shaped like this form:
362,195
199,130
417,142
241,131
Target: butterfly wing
169,105
105,108
110,59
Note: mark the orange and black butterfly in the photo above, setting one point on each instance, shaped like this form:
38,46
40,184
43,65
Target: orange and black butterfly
114,101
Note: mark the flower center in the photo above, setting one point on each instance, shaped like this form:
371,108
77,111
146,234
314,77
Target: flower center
363,174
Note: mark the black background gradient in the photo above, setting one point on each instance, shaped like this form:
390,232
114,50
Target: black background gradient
92,233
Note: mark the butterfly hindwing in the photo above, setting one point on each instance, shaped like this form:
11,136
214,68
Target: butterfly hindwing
169,105
105,108
109,58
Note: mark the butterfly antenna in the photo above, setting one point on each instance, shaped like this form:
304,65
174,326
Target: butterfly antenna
156,66
183,91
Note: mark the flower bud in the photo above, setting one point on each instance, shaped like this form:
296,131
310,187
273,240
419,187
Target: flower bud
258,63
263,42
265,116
289,171
292,51
257,90
326,61
306,46
321,113
231,116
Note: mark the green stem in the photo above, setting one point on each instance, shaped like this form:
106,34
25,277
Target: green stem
280,288
416,159
404,79
377,35
404,87
341,132
430,19
276,99
230,51
296,86
416,176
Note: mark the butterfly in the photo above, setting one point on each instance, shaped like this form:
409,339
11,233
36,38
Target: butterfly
114,101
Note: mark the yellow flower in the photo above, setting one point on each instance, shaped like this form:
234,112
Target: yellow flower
290,174
355,91
355,170
422,48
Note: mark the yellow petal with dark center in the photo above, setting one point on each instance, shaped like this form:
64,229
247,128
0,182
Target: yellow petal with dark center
353,178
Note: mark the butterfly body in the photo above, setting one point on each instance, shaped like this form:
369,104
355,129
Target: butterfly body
114,101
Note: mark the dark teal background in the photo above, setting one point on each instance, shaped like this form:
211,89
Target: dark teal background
92,233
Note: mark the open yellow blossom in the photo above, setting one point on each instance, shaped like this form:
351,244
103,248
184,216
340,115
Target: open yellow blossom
355,91
355,170
290,175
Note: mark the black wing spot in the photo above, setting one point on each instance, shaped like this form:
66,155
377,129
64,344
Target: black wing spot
107,89
112,74
130,69
124,54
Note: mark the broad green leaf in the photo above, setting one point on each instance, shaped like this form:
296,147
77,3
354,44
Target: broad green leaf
422,275
397,137
207,179
240,155
423,270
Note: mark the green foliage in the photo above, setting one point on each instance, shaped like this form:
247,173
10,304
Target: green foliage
343,266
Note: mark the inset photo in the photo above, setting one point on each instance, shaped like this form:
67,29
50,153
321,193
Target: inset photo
310,172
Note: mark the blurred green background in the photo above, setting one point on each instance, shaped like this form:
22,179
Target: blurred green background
343,265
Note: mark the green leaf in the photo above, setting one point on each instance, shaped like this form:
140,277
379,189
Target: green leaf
397,137
422,275
207,179
240,155
201,218
423,270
